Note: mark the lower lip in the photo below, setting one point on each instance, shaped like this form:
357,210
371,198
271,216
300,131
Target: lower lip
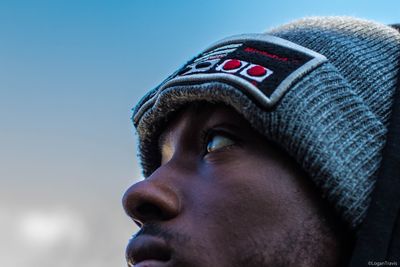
151,263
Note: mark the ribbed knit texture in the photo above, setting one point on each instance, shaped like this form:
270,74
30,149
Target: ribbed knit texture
365,53
333,122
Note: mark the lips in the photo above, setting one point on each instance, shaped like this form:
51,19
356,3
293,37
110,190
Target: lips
147,249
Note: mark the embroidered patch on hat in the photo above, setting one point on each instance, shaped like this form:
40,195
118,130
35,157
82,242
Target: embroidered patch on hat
262,66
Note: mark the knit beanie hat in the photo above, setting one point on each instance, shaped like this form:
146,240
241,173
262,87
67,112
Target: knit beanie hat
320,87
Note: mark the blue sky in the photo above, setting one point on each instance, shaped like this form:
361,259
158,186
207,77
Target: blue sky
70,71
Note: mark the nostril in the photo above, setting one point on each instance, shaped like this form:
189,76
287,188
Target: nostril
148,211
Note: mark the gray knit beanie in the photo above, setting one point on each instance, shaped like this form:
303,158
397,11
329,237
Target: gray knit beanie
319,87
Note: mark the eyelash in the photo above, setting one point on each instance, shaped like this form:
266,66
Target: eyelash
207,134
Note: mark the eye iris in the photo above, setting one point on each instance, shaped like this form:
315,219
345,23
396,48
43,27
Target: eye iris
218,142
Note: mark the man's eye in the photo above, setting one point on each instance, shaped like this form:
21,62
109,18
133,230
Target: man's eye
218,142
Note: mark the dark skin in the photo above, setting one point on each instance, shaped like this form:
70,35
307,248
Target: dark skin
224,196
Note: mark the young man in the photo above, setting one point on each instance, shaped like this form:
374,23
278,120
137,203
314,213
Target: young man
264,149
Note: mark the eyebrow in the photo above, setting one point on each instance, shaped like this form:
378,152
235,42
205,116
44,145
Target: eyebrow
228,125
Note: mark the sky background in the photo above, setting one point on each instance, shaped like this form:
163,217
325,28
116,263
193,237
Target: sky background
70,72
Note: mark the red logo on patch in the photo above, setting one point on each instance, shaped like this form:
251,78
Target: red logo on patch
254,50
257,71
232,64
238,67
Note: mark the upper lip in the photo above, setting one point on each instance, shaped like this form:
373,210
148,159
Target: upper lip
147,247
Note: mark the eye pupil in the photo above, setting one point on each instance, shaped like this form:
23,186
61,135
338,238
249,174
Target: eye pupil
217,142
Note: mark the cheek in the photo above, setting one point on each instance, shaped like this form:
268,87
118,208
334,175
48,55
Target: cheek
239,197
243,205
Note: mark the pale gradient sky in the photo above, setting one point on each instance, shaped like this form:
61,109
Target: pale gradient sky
70,71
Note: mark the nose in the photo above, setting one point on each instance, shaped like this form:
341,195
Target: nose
151,201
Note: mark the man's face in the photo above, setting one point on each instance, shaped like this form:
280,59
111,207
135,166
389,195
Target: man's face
225,196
